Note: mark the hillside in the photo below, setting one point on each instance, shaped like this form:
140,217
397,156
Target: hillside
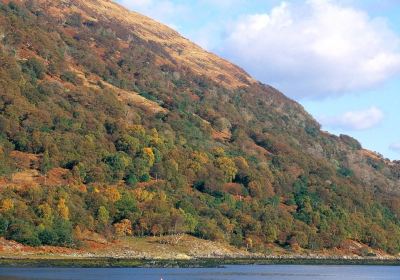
113,124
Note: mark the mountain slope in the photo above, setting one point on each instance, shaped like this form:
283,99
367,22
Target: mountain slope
179,50
113,123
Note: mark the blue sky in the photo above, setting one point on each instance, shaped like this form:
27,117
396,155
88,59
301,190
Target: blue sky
339,59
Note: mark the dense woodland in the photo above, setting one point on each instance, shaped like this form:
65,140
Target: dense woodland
245,166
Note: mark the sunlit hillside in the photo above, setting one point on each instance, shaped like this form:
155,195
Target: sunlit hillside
113,125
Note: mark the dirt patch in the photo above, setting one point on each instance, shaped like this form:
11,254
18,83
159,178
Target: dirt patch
25,160
33,178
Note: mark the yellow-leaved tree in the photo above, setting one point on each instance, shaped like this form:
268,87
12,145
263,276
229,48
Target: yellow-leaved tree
63,209
228,167
123,228
112,194
7,205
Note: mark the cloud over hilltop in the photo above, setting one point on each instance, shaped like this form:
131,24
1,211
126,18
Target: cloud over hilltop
395,147
314,49
354,120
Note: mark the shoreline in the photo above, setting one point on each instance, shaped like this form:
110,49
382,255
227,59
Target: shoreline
188,252
193,263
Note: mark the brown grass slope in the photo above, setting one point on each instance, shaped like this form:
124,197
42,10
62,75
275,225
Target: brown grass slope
181,50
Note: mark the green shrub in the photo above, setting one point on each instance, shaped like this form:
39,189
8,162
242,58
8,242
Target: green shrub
70,77
34,68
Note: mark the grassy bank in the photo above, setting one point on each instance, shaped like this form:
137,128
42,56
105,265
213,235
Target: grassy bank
111,262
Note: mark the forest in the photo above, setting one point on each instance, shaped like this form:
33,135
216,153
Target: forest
246,165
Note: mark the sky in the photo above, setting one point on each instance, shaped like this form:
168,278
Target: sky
340,59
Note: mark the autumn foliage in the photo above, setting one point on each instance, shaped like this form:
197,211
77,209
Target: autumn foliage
104,131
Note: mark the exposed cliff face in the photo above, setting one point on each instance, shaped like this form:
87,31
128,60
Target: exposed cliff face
143,132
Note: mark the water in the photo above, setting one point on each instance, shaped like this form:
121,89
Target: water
245,272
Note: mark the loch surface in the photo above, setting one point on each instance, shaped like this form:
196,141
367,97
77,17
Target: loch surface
242,272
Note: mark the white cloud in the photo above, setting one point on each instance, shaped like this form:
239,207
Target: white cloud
355,120
395,147
315,49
